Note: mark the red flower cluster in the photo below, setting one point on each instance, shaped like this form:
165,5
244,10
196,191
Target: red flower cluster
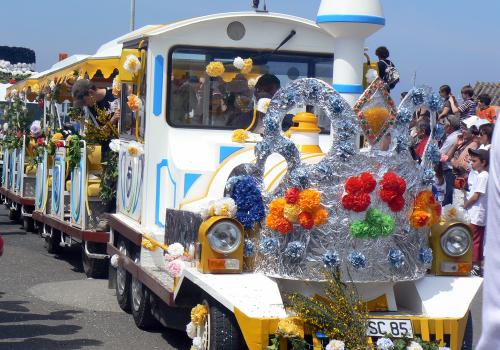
357,192
392,189
40,141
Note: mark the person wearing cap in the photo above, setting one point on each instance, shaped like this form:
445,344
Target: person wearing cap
452,130
86,94
476,203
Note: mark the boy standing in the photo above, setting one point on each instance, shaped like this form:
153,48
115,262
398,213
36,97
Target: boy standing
476,204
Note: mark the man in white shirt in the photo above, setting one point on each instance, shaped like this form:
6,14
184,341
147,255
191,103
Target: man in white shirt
490,337
452,129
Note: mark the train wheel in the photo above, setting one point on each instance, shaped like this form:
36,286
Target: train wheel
141,304
94,268
123,280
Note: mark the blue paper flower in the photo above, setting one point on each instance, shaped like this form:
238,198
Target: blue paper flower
417,96
425,255
357,260
401,143
269,245
435,102
294,250
396,258
336,104
249,249
432,153
331,259
428,177
438,132
324,170
248,199
405,115
300,177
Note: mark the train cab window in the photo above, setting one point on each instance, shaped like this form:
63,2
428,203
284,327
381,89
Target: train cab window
196,100
132,122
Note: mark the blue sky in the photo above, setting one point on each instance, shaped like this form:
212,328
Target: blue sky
443,41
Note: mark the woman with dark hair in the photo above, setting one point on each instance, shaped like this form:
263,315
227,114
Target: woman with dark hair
386,69
423,133
485,136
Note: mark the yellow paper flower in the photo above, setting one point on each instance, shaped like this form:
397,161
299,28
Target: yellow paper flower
239,135
291,327
215,69
291,212
376,118
57,137
198,314
247,66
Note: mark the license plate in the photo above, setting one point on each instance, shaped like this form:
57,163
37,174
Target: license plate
378,327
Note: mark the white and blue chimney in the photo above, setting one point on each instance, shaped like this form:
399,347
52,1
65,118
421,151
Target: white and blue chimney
350,22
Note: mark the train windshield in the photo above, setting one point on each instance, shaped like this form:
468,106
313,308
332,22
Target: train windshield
208,88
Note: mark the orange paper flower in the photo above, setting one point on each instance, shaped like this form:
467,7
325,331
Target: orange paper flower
420,219
309,200
320,216
277,206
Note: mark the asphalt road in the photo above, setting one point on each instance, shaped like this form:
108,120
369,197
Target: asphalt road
46,302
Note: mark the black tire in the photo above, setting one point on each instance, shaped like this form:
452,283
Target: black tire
52,243
94,268
468,334
123,280
224,331
29,224
141,300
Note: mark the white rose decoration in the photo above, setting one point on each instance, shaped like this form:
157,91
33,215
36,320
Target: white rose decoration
263,105
335,345
238,63
114,145
414,346
191,330
175,250
132,64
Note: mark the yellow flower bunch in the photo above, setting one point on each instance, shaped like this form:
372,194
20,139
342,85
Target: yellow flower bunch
247,66
147,244
215,69
239,135
376,118
57,137
291,327
199,314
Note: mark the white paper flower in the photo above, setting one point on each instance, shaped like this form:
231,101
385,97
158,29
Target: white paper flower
5,126
52,85
132,64
252,82
191,330
263,105
414,346
114,260
371,75
204,213
238,63
114,145
335,345
135,149
385,344
36,128
197,343
175,250
453,213
225,207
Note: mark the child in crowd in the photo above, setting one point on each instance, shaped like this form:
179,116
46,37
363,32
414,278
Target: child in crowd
484,110
476,202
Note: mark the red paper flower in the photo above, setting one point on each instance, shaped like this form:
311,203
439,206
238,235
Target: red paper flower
361,202
353,185
387,195
284,227
59,144
347,201
292,195
368,182
39,141
306,220
397,203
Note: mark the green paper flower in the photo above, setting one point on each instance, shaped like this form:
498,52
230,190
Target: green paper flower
376,224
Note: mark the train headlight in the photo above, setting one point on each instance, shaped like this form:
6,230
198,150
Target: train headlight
224,237
456,241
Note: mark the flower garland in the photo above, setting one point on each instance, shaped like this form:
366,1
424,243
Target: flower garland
426,210
199,315
302,207
357,191
376,224
392,189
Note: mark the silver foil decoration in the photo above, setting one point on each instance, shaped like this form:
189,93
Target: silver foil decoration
331,244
